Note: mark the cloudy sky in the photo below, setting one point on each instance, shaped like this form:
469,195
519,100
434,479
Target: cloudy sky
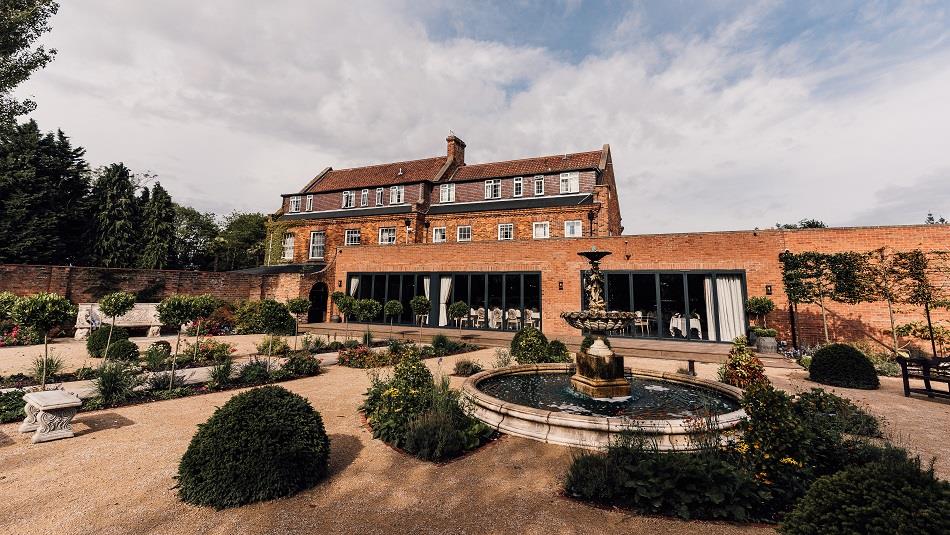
720,115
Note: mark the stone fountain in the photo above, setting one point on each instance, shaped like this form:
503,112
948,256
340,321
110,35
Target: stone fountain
599,373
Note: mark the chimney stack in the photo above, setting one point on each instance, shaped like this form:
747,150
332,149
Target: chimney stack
456,149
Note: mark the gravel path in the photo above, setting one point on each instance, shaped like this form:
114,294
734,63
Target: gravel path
116,476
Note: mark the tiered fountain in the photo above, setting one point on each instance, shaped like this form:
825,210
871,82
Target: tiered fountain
587,403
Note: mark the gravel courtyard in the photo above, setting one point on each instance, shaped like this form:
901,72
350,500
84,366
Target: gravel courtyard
116,475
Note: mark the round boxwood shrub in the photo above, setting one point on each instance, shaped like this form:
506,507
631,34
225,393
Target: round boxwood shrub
843,365
262,444
529,346
124,349
96,344
883,497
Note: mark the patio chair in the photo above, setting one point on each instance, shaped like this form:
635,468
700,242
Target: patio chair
480,318
513,317
494,318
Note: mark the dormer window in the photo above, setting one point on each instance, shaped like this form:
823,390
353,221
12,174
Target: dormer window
493,189
447,193
397,194
294,204
570,182
349,199
309,203
539,185
364,197
518,187
379,196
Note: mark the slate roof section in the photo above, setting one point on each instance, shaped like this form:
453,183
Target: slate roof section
373,176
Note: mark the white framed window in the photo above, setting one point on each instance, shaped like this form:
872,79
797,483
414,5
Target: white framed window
570,182
352,237
539,185
387,235
518,189
493,189
379,196
542,229
506,231
288,253
463,233
309,203
438,234
447,193
349,199
364,197
397,194
294,204
573,229
318,244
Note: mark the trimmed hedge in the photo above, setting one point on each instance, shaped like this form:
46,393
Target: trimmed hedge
883,497
96,343
262,444
843,365
125,350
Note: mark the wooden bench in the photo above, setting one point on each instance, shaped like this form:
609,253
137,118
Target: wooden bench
930,370
49,415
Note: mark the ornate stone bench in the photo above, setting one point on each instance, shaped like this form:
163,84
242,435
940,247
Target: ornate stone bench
141,315
49,414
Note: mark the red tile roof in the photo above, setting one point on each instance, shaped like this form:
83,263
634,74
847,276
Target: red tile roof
529,166
387,174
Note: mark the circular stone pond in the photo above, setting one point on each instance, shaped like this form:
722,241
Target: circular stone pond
537,402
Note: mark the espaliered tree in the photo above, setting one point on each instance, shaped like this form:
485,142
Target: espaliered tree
175,310
297,306
114,305
915,285
43,312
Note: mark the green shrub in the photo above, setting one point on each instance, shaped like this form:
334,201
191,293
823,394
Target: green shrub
313,344
219,376
433,436
557,352
11,406
466,367
156,357
406,395
209,350
764,333
589,341
884,498
116,383
440,342
301,365
502,358
158,382
96,343
688,485
273,345
262,444
53,366
843,365
529,346
124,350
743,369
255,372
838,412
85,372
350,344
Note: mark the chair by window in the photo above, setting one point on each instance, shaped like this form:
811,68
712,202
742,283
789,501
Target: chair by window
513,319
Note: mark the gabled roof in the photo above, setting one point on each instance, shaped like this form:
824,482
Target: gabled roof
529,166
387,174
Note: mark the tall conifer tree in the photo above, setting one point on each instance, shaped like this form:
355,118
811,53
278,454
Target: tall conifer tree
114,195
158,229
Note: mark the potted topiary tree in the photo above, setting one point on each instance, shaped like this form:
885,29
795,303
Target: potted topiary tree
366,310
457,311
334,297
202,306
175,310
42,312
344,303
420,306
114,305
297,306
275,318
764,338
392,309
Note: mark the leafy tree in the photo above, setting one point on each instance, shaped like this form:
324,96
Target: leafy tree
915,285
195,235
297,306
392,309
42,312
35,170
114,305
158,228
803,223
242,240
344,303
115,216
457,311
202,306
366,310
274,319
22,22
759,306
175,310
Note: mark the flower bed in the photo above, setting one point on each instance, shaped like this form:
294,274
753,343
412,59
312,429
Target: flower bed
363,357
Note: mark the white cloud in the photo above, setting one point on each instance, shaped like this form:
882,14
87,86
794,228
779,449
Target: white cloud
232,106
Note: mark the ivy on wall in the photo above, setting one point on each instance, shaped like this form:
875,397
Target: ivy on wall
274,243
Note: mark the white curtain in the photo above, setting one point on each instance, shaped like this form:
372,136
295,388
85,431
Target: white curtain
425,286
354,284
445,290
710,309
731,311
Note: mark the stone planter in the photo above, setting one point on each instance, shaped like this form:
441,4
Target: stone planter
766,344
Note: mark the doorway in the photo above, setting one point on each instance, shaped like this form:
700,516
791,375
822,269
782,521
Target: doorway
318,303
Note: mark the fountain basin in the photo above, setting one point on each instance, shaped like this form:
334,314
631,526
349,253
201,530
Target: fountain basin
547,412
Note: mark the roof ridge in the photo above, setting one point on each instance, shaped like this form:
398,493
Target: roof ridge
389,163
536,157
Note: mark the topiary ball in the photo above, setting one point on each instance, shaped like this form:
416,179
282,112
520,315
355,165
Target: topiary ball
96,343
124,350
262,444
885,497
843,365
529,346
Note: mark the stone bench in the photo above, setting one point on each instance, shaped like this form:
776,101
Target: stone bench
49,415
142,315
